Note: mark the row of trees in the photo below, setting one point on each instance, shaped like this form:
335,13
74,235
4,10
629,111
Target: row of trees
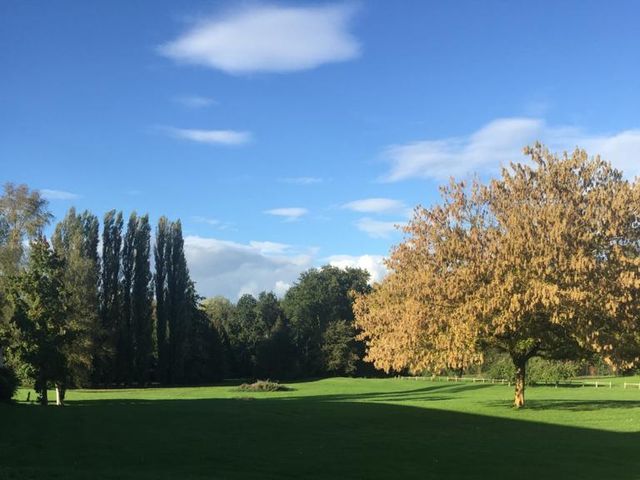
87,309
310,332
75,316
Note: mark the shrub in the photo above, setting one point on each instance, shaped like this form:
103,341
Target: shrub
8,384
539,370
263,386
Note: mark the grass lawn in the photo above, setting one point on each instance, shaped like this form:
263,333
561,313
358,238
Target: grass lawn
335,428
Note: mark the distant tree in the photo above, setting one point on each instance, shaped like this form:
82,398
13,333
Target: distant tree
221,313
38,332
161,250
141,301
125,332
23,216
544,261
245,334
176,304
320,298
340,349
75,240
110,302
275,354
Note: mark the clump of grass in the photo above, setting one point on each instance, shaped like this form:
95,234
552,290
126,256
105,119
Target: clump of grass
263,386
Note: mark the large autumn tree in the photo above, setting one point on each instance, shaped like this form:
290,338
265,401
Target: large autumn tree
543,261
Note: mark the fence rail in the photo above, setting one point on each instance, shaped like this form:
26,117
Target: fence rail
502,381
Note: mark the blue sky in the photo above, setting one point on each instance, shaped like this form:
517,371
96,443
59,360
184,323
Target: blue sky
288,135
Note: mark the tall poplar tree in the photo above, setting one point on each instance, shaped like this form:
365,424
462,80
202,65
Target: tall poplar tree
163,232
141,297
179,303
110,295
125,336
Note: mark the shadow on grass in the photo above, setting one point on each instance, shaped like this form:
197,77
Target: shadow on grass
573,405
330,436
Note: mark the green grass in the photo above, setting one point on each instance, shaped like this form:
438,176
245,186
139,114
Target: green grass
335,428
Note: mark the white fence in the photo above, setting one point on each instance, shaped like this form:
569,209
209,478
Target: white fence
502,381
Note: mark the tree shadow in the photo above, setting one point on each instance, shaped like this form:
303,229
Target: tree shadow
573,405
316,437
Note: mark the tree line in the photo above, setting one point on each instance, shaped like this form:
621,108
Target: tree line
87,309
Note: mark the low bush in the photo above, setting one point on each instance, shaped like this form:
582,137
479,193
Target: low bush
263,386
539,370
8,384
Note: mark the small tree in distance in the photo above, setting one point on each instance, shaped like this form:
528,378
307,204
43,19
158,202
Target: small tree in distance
544,261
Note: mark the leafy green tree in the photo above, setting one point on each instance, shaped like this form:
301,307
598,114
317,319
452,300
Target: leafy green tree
23,216
38,331
275,354
340,349
75,240
320,298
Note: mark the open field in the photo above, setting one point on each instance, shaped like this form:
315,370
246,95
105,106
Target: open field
334,428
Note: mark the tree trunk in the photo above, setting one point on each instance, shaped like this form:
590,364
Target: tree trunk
521,366
44,394
60,391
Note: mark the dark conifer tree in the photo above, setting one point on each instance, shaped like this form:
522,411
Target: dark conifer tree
160,259
124,345
141,294
110,295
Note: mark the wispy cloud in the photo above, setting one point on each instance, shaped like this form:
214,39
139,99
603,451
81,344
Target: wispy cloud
500,142
376,228
212,137
214,222
376,205
301,180
58,194
268,38
289,213
207,220
195,101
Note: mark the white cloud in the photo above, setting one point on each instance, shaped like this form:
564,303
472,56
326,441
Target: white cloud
231,269
195,101
374,264
58,194
289,213
376,205
500,142
267,248
268,38
213,137
301,180
377,228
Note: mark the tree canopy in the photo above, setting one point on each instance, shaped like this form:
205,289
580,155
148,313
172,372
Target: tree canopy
544,261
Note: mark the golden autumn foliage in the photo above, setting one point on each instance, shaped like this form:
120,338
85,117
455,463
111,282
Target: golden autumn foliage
544,261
